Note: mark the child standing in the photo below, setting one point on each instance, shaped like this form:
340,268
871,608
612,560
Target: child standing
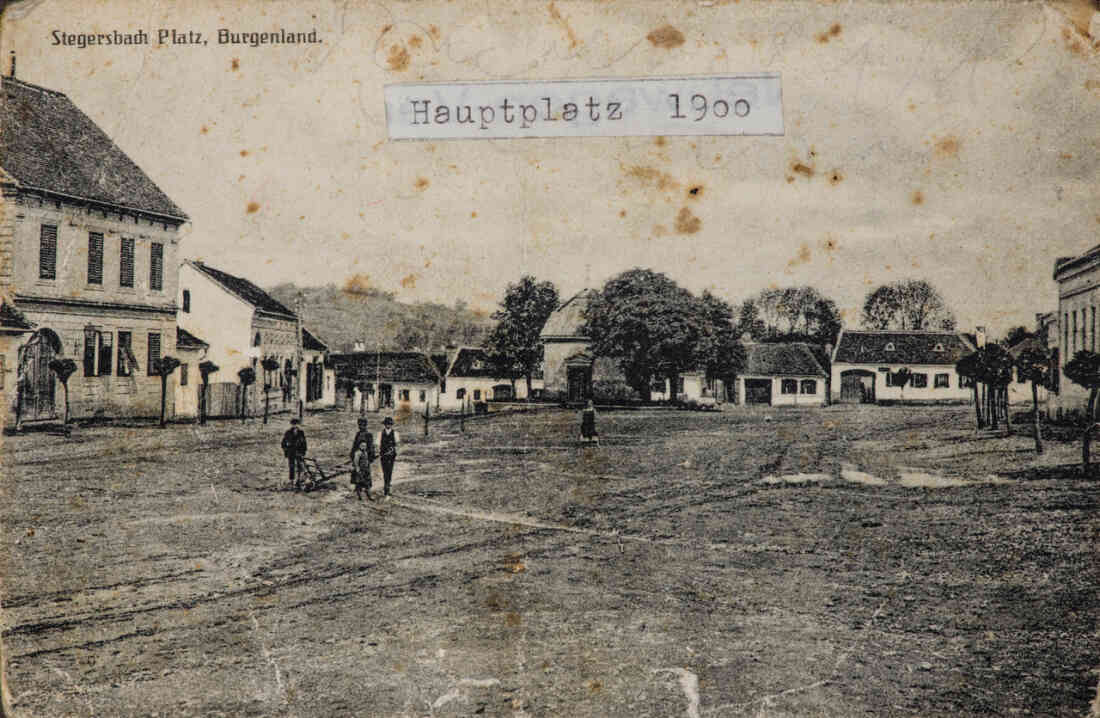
588,424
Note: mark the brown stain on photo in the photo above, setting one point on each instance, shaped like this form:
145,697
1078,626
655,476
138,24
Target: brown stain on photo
948,147
695,192
356,284
836,177
244,153
513,619
1072,42
398,58
687,223
560,19
917,198
434,32
660,141
802,257
651,175
833,31
409,281
421,184
666,37
252,207
802,169
659,230
415,41
203,130
622,212
235,64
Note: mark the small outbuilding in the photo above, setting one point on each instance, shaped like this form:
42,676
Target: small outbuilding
782,374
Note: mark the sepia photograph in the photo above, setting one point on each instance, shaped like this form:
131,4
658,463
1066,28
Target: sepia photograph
538,359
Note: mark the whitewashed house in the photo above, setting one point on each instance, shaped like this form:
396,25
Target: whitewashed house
782,374
864,362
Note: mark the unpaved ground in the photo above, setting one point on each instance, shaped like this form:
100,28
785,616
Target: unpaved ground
832,562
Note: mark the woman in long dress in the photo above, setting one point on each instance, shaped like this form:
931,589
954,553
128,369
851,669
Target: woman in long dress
588,424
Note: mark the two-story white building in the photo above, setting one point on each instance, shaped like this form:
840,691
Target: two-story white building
88,251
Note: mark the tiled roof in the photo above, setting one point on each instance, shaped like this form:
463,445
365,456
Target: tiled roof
187,340
471,362
47,143
1024,345
567,319
781,359
12,318
309,341
913,347
388,367
246,290
440,361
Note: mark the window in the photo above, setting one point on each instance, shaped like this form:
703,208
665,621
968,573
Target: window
919,380
153,355
183,374
404,395
1092,310
106,353
126,263
679,385
477,394
889,346
789,386
95,258
256,341
423,396
942,381
460,394
965,382
809,386
889,378
90,344
47,252
156,266
126,363
938,348
186,300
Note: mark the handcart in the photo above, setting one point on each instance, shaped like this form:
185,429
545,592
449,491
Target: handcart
311,475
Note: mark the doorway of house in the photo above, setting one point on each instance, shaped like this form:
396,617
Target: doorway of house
36,380
758,391
857,386
385,396
580,382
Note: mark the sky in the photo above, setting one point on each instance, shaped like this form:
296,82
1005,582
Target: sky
956,142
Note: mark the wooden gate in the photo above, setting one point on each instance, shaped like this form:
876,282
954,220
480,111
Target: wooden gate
857,386
36,382
758,391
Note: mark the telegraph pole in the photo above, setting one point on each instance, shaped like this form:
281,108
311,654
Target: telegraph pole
298,304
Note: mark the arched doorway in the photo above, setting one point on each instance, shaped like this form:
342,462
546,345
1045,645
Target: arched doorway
36,381
857,386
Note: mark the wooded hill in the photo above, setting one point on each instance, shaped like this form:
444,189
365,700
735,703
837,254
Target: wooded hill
342,316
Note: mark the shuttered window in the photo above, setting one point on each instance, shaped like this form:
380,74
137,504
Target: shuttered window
156,266
95,258
106,353
47,252
183,374
90,344
154,352
126,263
125,354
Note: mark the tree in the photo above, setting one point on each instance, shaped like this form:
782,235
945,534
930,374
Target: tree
990,369
1084,370
163,367
900,378
206,368
247,377
64,368
790,314
657,329
513,345
910,304
1033,365
1016,335
969,367
269,366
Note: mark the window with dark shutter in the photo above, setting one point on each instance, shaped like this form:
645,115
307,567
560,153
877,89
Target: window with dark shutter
106,352
95,258
156,266
183,374
154,353
90,344
125,354
47,252
186,300
126,263
788,386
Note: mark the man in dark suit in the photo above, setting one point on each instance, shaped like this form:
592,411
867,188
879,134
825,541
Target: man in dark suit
387,448
294,449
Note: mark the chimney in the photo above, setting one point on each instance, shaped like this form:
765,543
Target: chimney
979,336
12,73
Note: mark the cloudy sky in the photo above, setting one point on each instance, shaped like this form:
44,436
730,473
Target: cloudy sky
953,141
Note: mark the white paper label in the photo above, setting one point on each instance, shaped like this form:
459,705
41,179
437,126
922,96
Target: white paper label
713,105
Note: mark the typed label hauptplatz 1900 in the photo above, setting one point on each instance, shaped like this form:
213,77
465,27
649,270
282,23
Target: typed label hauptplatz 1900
185,36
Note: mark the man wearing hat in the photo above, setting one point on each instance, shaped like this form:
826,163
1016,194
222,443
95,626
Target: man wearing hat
294,449
362,454
387,448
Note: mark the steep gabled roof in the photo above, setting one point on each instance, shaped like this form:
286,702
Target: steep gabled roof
47,143
387,367
11,318
909,347
187,340
566,321
246,290
311,342
471,362
781,359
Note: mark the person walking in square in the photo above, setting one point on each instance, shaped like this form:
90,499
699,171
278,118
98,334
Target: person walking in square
388,440
588,424
294,449
362,455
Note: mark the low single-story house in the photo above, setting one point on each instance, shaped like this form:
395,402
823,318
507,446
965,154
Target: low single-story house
469,377
191,351
782,374
864,363
1019,391
406,380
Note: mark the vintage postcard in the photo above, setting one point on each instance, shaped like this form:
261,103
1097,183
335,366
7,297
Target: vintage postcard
549,358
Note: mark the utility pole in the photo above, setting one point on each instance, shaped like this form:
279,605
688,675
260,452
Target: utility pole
298,304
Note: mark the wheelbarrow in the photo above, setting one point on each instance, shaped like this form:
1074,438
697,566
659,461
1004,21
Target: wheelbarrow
311,474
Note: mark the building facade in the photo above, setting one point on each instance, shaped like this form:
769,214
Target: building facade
782,374
401,382
88,250
469,377
569,368
864,363
1078,280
